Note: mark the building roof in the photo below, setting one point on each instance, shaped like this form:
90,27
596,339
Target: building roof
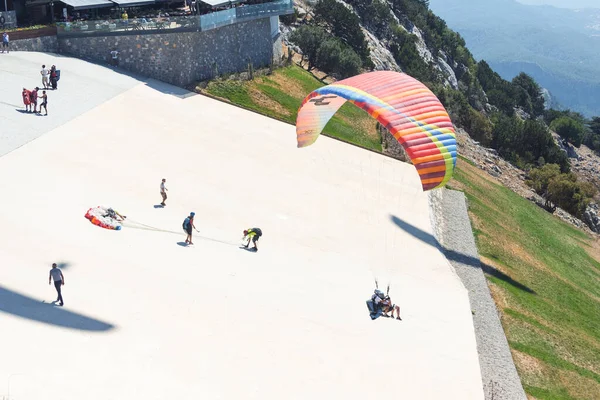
86,4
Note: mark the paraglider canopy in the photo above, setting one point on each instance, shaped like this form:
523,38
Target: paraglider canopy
403,105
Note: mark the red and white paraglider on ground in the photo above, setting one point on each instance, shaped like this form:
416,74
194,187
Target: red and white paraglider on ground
100,216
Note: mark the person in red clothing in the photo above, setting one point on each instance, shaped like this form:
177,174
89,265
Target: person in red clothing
27,99
34,98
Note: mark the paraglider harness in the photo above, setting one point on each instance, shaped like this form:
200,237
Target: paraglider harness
376,308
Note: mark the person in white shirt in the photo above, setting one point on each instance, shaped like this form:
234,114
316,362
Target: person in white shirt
59,281
163,192
114,57
5,42
45,75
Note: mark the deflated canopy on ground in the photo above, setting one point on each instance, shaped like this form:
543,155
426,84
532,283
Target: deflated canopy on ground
403,105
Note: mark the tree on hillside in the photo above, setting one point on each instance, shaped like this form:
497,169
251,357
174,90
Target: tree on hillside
404,49
326,52
526,143
595,125
530,97
335,57
378,18
309,39
344,24
539,180
561,189
569,194
552,114
592,137
569,129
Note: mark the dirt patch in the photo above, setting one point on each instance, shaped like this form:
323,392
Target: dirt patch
579,387
265,102
528,364
290,87
498,295
594,249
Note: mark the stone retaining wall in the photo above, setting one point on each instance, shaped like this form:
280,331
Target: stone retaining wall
47,44
184,57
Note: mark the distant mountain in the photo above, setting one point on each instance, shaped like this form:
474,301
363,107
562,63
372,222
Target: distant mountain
560,48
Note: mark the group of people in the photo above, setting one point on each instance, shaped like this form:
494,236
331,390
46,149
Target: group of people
31,99
251,234
50,77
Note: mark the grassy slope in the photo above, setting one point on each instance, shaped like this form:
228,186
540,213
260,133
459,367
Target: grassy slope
549,294
280,95
548,288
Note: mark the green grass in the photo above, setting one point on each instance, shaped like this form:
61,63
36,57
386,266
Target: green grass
549,296
350,124
557,323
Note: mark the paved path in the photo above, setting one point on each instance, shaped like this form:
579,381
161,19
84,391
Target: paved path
146,318
82,87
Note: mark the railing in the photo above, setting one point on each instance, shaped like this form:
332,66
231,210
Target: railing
280,7
127,27
191,23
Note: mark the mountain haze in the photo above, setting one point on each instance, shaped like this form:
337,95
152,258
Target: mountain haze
573,4
560,48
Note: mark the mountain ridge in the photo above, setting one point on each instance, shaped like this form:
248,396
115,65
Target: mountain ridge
563,43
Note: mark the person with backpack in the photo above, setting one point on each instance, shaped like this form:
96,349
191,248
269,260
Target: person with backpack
53,77
188,224
252,234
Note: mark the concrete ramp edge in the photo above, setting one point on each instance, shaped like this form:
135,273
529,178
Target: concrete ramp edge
455,236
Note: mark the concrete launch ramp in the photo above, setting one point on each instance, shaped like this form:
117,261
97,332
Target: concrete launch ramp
147,318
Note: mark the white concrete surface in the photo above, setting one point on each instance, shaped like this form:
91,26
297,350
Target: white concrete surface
146,318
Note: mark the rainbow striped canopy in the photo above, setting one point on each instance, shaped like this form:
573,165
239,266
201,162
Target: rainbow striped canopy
406,107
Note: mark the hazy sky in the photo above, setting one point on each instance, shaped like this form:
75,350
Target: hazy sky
565,3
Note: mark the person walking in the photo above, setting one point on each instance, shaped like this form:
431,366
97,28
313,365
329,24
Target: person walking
188,224
5,41
44,104
45,75
163,192
59,280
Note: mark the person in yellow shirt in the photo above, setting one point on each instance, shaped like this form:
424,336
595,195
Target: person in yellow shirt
252,234
124,16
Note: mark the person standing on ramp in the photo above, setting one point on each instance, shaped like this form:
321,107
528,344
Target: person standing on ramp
163,192
59,281
188,224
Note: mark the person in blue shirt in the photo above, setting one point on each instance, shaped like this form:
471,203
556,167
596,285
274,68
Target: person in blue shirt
188,225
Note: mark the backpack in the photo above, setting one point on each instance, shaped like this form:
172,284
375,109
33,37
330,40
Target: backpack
186,223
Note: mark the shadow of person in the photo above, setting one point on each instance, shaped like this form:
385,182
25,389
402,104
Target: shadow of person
26,307
250,249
